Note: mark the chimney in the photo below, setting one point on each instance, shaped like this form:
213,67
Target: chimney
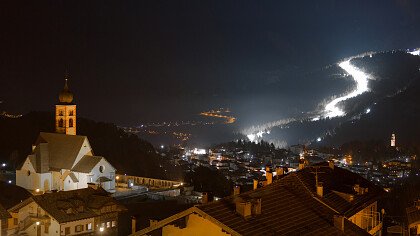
339,222
269,176
256,207
320,190
255,184
243,208
133,224
279,171
331,164
301,163
205,198
236,190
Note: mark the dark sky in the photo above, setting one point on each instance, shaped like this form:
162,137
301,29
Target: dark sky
140,61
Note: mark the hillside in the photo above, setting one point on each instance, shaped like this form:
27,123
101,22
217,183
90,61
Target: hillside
126,152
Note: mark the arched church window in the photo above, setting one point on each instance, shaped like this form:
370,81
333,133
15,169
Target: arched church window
60,112
71,113
101,169
71,123
60,123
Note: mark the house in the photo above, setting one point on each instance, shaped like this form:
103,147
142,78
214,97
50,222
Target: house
76,212
317,200
4,216
413,218
64,161
10,196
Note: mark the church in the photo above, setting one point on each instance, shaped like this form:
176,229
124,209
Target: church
64,161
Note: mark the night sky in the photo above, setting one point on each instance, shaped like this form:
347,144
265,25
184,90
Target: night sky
142,61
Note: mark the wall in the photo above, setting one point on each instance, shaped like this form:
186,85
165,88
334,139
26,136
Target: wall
196,225
73,224
362,218
108,171
30,182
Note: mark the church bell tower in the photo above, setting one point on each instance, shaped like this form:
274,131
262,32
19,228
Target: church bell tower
65,112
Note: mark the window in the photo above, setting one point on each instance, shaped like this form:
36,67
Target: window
71,123
60,113
114,223
108,224
101,169
67,231
60,123
29,172
71,113
89,226
79,228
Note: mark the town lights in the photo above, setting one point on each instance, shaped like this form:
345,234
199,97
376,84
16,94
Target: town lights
117,178
38,223
101,229
37,190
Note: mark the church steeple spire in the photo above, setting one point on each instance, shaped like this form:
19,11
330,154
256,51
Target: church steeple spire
65,111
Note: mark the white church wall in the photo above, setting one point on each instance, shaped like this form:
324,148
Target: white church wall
108,171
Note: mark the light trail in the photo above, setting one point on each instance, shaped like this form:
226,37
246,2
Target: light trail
218,114
361,79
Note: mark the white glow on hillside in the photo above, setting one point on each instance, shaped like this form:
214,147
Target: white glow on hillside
361,79
415,52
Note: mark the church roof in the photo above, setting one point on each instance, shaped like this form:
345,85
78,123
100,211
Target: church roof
63,149
86,164
73,177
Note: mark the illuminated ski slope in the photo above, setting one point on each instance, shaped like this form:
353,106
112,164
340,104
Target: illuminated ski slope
361,79
331,109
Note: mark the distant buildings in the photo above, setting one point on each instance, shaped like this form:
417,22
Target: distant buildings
63,160
317,200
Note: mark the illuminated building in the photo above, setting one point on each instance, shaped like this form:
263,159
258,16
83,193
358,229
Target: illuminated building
65,112
64,160
393,140
78,212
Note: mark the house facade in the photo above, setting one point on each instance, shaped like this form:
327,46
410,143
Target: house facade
77,212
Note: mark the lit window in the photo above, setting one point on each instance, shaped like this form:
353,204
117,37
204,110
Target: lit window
114,223
89,226
79,228
108,224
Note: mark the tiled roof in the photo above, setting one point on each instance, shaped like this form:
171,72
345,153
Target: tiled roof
291,206
339,181
75,205
86,164
63,149
11,195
